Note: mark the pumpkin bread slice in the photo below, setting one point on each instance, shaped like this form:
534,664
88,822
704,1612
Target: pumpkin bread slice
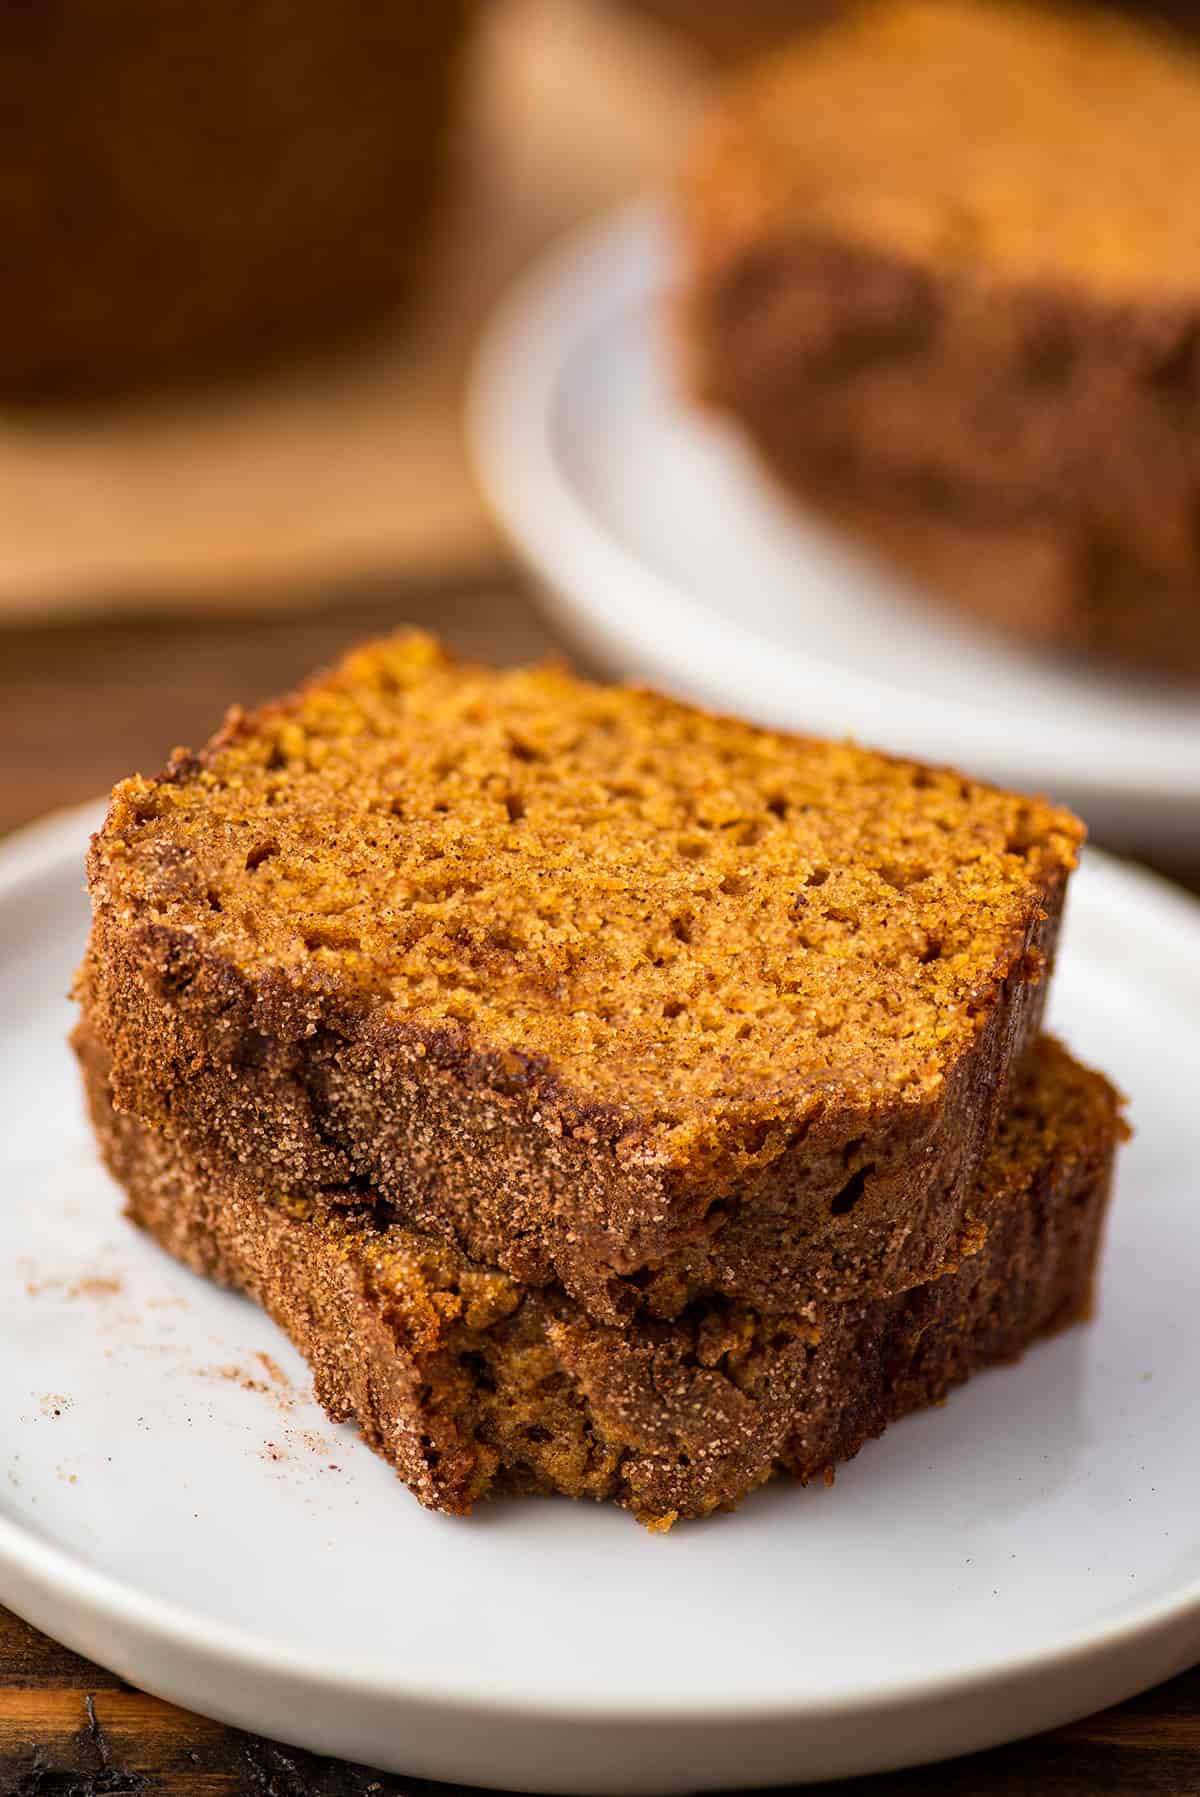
605,990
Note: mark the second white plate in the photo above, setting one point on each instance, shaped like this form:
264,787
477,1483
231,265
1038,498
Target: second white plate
668,555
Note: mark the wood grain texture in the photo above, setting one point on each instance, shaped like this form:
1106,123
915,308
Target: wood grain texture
79,707
69,1730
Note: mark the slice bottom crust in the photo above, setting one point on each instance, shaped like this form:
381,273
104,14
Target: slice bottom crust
470,1384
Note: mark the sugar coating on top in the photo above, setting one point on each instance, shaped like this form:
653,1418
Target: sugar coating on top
680,916
1046,142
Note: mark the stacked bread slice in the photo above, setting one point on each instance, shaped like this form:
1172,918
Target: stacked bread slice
607,1098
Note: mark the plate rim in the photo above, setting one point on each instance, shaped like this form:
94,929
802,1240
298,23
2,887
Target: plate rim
51,847
531,339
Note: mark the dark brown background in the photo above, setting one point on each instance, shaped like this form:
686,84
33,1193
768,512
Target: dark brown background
80,706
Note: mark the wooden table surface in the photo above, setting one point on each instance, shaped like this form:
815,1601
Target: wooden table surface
81,705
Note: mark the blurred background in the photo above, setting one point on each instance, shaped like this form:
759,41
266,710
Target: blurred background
246,251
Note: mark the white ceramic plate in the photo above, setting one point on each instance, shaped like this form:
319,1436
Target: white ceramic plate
173,1504
662,549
